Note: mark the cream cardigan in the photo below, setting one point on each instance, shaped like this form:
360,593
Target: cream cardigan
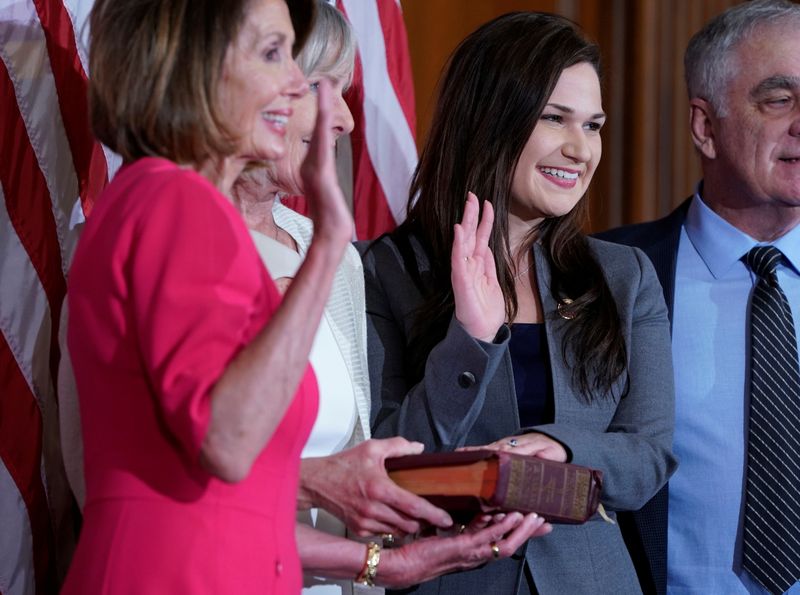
345,311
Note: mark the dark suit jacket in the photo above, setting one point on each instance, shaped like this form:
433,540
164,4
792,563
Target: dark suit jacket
645,531
467,397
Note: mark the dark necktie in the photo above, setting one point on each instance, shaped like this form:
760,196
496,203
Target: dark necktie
771,545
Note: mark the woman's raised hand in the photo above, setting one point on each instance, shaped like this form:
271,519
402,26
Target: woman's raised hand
327,205
479,302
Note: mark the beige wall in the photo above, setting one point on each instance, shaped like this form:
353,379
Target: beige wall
648,164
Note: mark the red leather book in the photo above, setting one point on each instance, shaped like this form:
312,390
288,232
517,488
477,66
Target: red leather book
479,480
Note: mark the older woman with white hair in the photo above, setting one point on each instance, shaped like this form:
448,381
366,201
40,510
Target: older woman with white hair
338,357
283,236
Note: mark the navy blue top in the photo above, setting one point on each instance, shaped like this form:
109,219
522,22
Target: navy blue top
532,376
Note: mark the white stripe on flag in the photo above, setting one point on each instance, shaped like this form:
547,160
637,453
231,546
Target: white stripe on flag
16,543
391,146
24,52
24,312
78,11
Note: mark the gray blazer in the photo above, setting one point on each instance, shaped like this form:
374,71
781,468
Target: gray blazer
467,397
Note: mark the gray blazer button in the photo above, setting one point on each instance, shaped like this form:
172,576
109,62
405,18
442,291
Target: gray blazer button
466,379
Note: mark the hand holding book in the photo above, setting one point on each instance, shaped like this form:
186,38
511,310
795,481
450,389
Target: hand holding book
353,486
533,444
488,538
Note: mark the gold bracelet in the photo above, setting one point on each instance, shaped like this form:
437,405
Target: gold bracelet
370,569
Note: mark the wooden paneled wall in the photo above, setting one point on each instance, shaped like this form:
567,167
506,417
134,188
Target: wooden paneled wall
649,163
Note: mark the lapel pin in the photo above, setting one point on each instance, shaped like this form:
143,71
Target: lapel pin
563,309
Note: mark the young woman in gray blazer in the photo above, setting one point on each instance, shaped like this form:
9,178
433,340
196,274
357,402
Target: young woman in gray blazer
495,321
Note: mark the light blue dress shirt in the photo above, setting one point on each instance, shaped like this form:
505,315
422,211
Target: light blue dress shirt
712,291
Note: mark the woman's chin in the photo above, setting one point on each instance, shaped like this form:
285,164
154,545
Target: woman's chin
262,154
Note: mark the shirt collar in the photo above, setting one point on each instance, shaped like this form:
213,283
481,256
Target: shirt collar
721,245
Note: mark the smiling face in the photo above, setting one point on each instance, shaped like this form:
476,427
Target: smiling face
260,81
285,172
562,153
752,157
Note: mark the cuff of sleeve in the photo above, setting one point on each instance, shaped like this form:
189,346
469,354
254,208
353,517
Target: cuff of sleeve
495,346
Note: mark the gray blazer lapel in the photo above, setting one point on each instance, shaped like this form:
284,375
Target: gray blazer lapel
555,327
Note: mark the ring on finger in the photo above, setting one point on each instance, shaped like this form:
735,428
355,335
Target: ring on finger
461,529
513,442
495,550
388,540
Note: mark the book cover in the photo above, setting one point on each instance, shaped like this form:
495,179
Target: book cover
467,482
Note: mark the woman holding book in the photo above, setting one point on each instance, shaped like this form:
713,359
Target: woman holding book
495,322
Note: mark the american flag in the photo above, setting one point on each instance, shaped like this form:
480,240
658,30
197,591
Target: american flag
51,170
49,161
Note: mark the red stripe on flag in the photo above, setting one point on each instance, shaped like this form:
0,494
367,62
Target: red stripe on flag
21,452
71,85
296,203
398,61
370,207
29,208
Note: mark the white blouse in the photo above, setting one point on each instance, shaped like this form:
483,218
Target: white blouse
337,415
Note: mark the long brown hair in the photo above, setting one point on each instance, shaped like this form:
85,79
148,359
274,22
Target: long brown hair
492,93
155,69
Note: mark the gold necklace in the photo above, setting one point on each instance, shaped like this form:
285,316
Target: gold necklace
528,268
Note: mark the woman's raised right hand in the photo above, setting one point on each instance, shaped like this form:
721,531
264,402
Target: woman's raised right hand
327,206
479,301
